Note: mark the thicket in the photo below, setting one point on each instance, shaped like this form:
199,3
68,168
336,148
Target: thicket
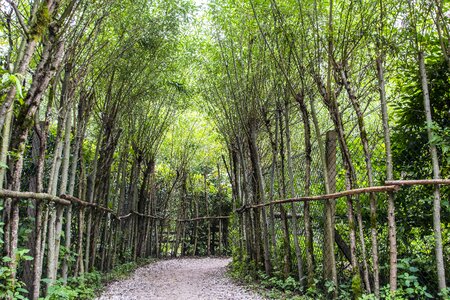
166,112
290,78
97,104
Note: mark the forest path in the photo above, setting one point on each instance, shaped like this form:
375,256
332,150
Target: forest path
187,278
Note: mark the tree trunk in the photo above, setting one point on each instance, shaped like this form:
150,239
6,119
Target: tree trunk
194,250
330,210
392,231
260,198
50,60
295,228
63,190
208,245
308,223
274,146
284,219
435,161
26,52
56,214
373,200
41,131
90,191
32,212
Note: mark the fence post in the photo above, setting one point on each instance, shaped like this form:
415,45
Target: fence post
157,246
329,259
79,266
38,253
220,236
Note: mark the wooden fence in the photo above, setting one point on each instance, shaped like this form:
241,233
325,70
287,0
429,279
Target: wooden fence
103,239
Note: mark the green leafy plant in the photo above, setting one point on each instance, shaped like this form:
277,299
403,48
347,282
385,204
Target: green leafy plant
441,138
82,287
11,288
409,286
445,294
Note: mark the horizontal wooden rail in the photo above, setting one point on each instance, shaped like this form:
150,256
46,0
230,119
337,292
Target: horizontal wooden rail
125,216
418,182
31,195
68,200
204,218
63,199
372,189
84,203
148,216
390,186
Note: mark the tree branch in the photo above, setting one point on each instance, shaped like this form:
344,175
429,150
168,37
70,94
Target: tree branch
19,17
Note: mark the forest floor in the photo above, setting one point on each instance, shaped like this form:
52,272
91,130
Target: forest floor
187,278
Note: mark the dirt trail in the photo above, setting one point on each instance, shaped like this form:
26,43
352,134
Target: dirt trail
190,278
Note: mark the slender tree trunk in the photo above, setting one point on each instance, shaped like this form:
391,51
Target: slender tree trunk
239,201
6,135
308,223
373,200
194,250
63,190
79,133
79,266
41,131
392,231
295,227
435,161
56,215
247,215
260,190
333,109
90,194
274,146
208,245
32,212
284,219
330,211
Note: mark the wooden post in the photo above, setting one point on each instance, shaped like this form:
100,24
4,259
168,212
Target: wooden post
286,243
196,224
79,266
157,238
208,246
220,236
38,253
329,260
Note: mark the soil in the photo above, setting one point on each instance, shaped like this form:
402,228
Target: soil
187,278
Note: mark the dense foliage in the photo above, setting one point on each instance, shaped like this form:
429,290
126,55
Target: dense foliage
179,121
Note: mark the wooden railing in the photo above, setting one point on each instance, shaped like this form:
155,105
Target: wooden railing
101,237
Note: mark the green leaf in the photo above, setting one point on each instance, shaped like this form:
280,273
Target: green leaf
413,269
22,290
6,259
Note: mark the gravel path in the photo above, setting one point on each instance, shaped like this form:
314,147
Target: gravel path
189,278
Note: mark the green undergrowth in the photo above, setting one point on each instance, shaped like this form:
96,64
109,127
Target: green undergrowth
90,285
268,287
278,287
